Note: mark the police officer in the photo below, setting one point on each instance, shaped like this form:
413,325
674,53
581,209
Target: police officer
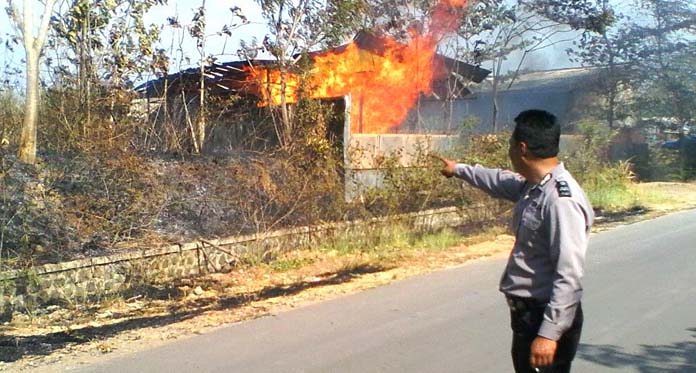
551,219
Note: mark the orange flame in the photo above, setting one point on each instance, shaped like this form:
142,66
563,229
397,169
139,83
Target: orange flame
267,84
383,86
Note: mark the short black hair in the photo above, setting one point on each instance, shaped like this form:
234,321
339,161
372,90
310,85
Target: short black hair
540,130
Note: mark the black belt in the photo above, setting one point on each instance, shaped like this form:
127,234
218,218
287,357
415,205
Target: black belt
524,304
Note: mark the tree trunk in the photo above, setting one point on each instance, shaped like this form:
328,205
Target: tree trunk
200,123
612,78
497,67
285,117
612,105
27,145
86,69
495,105
32,46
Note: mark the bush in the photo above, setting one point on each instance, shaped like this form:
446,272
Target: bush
606,184
32,219
112,197
420,187
11,115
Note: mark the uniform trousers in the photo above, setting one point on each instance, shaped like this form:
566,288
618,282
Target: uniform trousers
525,325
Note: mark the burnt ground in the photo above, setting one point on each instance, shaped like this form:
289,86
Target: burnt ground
69,207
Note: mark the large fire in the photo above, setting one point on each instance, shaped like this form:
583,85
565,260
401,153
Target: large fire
383,85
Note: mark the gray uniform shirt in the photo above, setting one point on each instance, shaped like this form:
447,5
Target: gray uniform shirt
551,222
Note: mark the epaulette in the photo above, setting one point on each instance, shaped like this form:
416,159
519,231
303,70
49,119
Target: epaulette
563,188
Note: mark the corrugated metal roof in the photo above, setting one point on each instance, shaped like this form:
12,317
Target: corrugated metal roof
231,76
561,79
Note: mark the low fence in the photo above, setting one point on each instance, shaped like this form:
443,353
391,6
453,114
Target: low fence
88,279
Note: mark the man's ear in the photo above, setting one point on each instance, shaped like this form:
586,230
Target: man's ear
524,149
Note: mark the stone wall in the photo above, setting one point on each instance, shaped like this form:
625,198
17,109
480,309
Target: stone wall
87,280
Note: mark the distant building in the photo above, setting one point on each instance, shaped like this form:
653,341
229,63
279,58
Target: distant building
563,92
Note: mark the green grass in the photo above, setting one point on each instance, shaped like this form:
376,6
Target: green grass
613,199
609,187
653,197
388,242
438,241
284,265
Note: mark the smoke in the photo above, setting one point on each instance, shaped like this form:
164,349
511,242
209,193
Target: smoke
549,58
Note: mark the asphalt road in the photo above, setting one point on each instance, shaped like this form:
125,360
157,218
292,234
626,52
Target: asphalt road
640,312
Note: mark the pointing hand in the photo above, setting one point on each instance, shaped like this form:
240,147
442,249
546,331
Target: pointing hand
447,167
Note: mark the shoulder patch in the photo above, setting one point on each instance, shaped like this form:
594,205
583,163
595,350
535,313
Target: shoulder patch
563,189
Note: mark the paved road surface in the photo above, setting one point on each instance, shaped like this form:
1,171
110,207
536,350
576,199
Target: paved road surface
640,310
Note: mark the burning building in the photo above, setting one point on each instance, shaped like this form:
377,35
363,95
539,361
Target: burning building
395,97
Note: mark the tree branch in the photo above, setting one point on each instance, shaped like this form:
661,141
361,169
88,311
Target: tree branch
45,22
27,25
16,17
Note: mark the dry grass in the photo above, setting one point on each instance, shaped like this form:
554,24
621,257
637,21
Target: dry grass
666,196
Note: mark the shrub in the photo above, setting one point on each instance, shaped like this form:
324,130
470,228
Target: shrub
606,184
32,220
11,114
422,187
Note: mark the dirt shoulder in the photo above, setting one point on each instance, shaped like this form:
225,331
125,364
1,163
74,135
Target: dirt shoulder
65,338
60,338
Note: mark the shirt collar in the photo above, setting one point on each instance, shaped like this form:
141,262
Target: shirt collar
557,170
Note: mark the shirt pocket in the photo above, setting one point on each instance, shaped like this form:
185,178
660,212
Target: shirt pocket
530,227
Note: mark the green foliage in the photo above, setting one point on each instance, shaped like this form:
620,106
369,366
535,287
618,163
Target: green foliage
467,126
312,139
678,164
109,39
490,150
660,165
370,240
406,189
650,52
421,186
586,160
608,187
99,190
387,243
342,18
296,27
671,91
378,240
606,184
578,14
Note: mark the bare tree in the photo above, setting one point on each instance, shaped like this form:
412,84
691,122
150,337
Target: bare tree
516,29
97,51
33,45
197,31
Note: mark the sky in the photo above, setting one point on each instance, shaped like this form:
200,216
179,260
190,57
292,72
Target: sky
185,55
218,14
